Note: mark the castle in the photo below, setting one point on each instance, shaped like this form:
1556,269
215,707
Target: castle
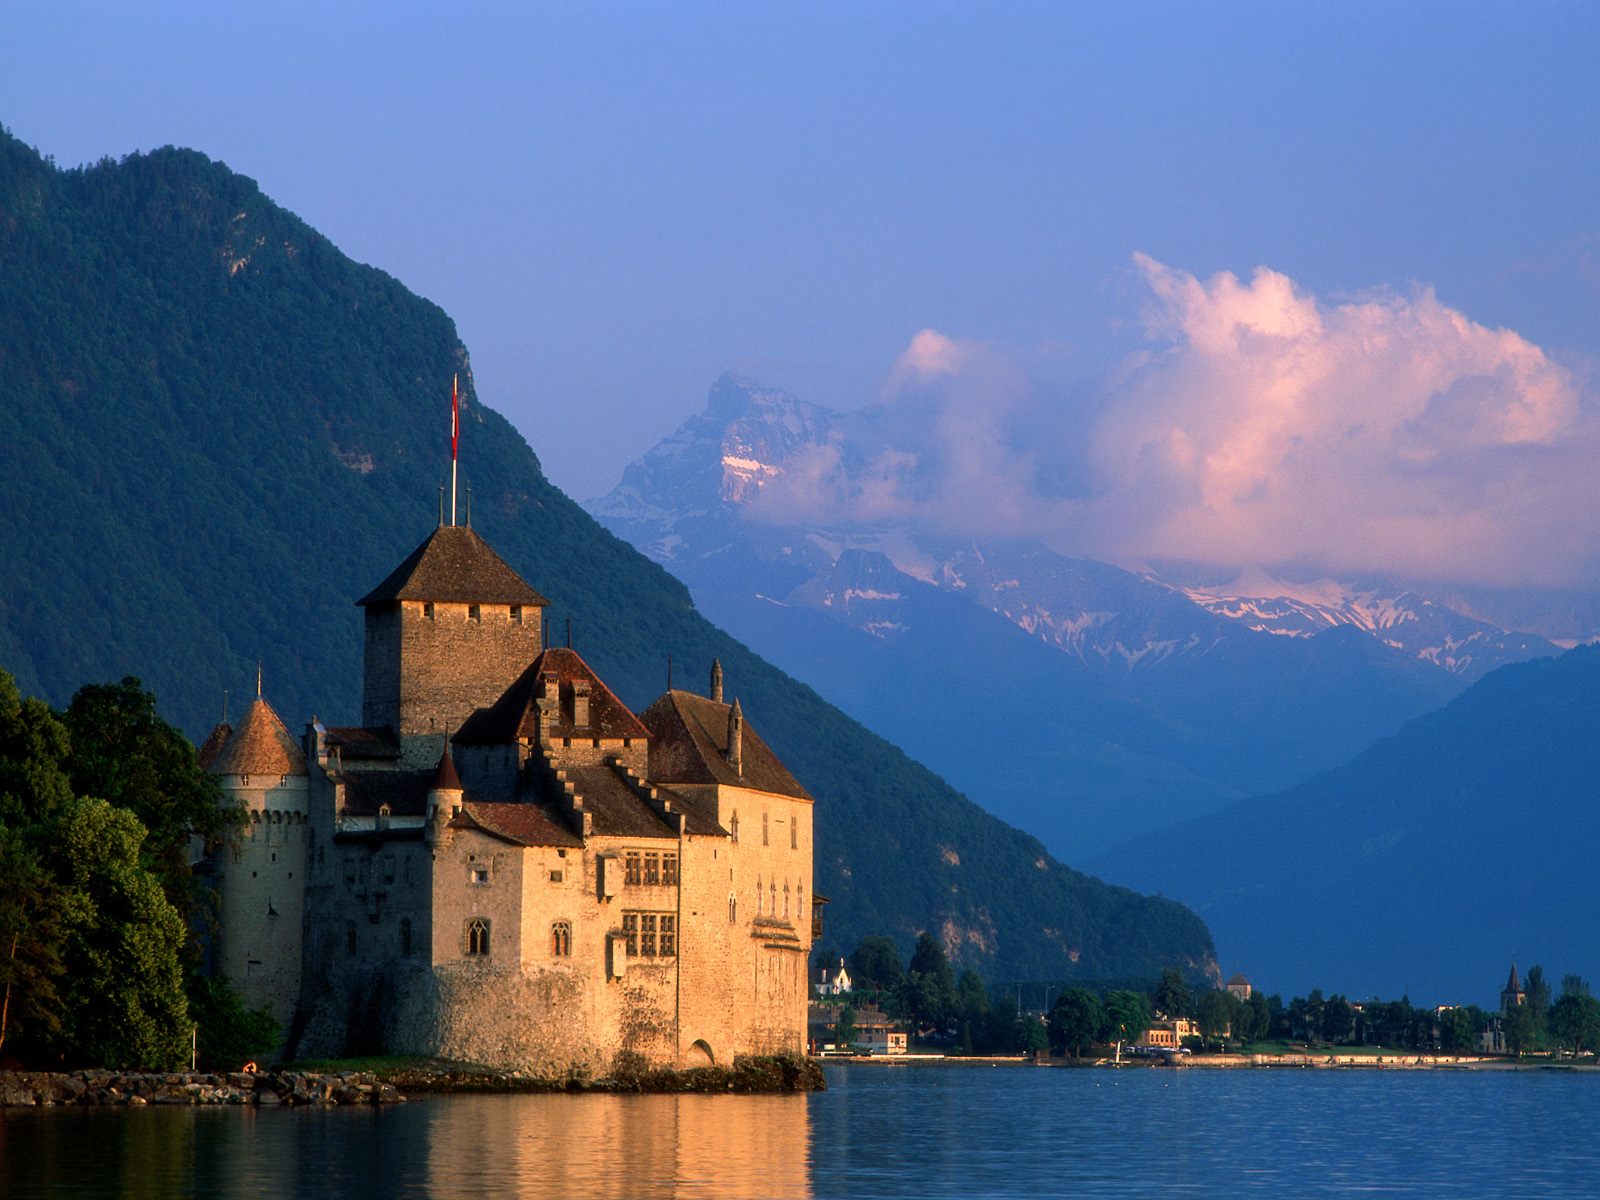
503,864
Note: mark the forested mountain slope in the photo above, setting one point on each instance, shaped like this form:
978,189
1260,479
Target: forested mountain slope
219,431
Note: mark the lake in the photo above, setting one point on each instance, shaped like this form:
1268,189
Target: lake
905,1131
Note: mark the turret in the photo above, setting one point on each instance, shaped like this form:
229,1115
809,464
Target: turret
716,680
445,794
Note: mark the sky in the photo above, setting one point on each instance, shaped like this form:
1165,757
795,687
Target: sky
1241,281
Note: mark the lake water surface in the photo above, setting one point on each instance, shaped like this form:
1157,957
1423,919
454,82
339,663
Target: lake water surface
908,1131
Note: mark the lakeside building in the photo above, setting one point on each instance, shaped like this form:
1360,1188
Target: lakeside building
832,981
1167,1033
504,864
875,1031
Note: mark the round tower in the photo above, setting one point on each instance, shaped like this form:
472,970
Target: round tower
261,871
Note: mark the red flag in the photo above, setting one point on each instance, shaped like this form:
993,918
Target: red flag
455,416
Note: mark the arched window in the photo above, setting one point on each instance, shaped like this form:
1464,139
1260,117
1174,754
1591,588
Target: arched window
561,939
761,898
405,937
773,887
733,910
786,899
478,936
733,825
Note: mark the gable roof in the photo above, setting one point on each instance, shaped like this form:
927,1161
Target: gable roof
259,746
456,566
689,743
523,824
516,714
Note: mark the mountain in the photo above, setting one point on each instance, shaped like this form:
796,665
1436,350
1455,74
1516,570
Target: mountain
1133,698
219,431
1422,865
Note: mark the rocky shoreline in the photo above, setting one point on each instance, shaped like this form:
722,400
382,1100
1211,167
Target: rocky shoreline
389,1085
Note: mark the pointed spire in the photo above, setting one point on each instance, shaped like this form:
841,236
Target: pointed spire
736,738
258,679
716,680
445,778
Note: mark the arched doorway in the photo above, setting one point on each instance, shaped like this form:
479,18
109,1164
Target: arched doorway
700,1055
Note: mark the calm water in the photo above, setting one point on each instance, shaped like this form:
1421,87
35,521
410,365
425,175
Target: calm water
905,1131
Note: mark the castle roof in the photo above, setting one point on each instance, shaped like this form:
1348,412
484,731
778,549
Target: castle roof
359,741
445,779
516,714
689,744
212,746
454,565
259,746
523,824
1514,984
404,793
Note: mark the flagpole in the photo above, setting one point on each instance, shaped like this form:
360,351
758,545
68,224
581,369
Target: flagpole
455,435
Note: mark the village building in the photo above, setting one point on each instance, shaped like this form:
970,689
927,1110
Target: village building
1167,1033
503,863
831,981
1239,987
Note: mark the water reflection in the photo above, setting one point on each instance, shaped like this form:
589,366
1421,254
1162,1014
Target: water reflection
634,1147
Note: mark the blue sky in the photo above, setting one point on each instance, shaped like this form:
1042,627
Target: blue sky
619,202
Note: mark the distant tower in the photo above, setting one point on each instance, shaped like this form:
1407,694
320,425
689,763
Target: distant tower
447,632
716,680
736,738
1513,996
261,872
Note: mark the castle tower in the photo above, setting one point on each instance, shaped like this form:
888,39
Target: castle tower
446,633
1512,996
261,872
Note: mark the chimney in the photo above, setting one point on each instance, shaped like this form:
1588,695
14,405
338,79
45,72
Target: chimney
580,703
716,680
736,738
549,703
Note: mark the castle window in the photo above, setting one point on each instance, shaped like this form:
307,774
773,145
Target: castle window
557,876
388,868
283,780
652,869
630,932
244,781
516,614
794,833
647,935
474,613
786,900
350,938
764,841
631,874
478,937
733,910
733,826
478,874
669,935
405,937
427,610
773,888
669,869
761,898
561,939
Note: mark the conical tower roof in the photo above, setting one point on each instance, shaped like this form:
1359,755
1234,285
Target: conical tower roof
445,779
259,746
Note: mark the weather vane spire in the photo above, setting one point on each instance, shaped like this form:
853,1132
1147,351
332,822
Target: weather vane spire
455,438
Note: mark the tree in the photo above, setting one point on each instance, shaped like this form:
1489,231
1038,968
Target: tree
123,752
34,911
1575,1021
1076,1019
1337,1019
1256,1018
1538,1006
1458,1030
122,994
844,1030
1127,1016
875,965
929,984
228,1033
1214,1014
1172,994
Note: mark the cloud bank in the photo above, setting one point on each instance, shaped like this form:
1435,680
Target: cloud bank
1259,425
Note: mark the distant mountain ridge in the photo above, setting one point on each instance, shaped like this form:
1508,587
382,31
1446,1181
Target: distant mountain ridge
1220,694
220,432
1424,863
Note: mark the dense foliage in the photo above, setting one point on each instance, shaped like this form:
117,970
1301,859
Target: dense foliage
97,963
221,431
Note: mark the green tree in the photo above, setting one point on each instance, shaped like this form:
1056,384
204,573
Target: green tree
123,752
1519,1029
1127,1015
1458,1030
1076,1019
1214,1014
1030,1036
122,994
929,984
875,965
844,1029
34,912
1172,994
1538,1006
229,1034
1575,1021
